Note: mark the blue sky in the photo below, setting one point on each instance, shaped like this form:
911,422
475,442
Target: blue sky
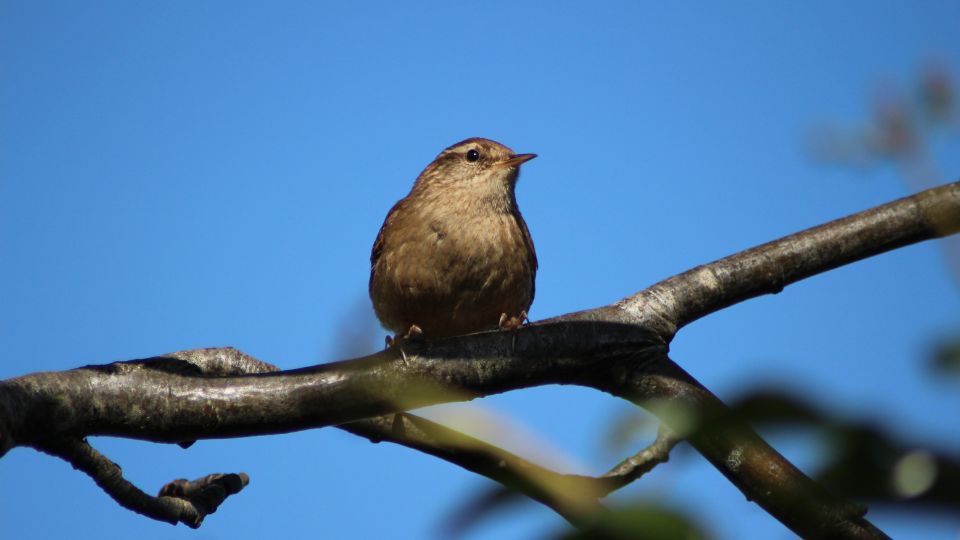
182,174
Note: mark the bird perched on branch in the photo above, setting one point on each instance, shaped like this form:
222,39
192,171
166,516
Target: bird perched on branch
454,256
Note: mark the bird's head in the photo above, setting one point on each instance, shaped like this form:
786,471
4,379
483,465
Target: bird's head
481,166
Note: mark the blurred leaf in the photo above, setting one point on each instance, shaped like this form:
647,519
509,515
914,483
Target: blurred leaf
480,505
900,130
863,460
945,359
936,94
644,521
893,131
873,465
773,406
914,474
626,429
358,331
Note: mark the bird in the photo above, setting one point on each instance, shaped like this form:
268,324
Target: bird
455,256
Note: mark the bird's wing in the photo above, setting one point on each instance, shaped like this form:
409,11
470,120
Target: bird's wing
379,242
533,252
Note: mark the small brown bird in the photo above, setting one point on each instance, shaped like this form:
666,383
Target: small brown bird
454,256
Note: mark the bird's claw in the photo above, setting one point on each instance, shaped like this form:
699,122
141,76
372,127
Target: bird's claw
397,341
413,332
512,323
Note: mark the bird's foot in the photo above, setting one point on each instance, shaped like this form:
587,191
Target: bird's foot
512,323
413,333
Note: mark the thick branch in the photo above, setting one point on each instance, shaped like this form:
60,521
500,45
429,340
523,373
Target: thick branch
574,497
760,472
155,401
615,358
675,302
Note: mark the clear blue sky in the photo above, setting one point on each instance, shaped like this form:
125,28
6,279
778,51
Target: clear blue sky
191,174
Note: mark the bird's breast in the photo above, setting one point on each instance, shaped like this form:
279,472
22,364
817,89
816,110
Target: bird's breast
453,274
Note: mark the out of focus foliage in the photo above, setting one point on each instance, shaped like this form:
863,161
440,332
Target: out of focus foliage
861,459
643,521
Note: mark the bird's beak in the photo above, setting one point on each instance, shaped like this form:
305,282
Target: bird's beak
518,159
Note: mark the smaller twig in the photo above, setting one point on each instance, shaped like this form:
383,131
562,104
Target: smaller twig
179,502
575,497
642,462
624,473
208,492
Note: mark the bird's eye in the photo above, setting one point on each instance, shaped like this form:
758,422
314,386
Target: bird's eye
473,155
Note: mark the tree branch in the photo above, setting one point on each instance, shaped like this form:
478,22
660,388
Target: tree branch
675,302
620,349
180,501
642,462
574,497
